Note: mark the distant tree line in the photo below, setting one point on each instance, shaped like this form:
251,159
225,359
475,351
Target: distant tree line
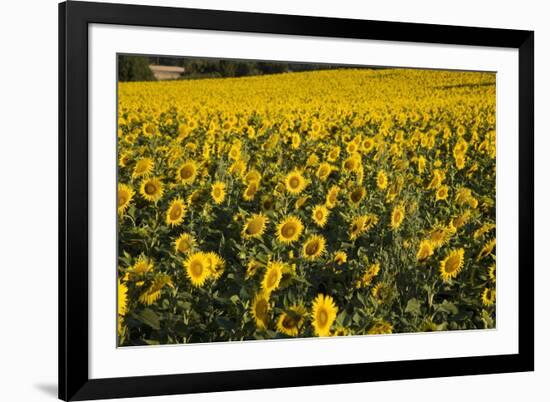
136,68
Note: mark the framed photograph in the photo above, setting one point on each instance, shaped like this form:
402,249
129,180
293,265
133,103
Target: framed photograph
257,201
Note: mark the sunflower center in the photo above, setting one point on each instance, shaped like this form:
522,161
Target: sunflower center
122,199
319,215
451,265
186,172
289,322
349,164
312,247
254,227
261,308
141,167
356,195
150,188
294,182
288,230
251,189
175,212
196,268
272,278
217,192
322,317
184,245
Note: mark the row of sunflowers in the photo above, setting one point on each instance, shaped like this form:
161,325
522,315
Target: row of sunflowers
324,203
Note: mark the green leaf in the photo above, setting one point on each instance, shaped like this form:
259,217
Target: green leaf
447,307
226,323
149,317
413,307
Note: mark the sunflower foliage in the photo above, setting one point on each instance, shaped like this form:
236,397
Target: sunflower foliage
324,203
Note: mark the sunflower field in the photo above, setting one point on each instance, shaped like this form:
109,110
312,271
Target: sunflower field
323,203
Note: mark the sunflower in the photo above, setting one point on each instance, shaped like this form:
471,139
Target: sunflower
260,310
314,247
461,220
122,305
301,201
442,193
291,321
340,257
143,168
238,167
368,276
272,277
122,298
142,266
320,215
421,164
425,250
357,194
487,249
290,229
252,175
380,327
463,196
488,296
352,163
216,264
333,154
397,216
485,228
324,170
218,192
439,235
235,152
152,293
368,145
176,212
296,140
493,273
361,224
312,160
332,197
254,226
250,191
184,243
295,182
452,264
125,195
252,268
341,331
152,189
124,158
437,178
267,203
197,268
323,314
460,162
381,180
187,172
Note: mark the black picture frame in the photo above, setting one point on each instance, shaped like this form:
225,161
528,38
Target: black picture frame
74,18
